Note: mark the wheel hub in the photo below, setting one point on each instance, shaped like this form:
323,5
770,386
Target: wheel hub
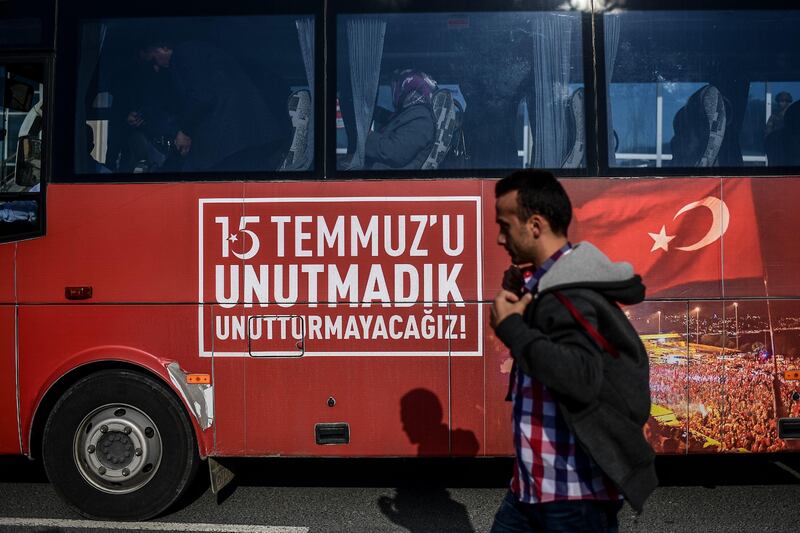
117,448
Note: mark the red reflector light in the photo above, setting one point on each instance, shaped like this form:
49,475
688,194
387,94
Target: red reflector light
77,293
198,379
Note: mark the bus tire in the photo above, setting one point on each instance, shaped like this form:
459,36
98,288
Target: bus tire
119,445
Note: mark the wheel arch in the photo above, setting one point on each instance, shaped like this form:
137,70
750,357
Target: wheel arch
62,383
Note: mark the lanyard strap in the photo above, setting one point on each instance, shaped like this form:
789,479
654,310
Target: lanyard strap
593,333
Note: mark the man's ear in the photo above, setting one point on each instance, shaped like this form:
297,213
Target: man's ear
537,224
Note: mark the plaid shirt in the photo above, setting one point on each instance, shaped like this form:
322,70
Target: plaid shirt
549,465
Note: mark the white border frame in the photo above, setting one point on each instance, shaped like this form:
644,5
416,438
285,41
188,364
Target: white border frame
343,199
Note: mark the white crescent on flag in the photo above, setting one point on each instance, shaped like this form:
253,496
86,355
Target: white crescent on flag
721,218
719,225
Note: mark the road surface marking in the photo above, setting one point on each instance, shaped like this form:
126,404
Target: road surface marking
148,526
789,469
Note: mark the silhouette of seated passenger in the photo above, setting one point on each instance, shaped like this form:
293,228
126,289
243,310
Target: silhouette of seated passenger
782,102
150,125
783,145
223,123
406,139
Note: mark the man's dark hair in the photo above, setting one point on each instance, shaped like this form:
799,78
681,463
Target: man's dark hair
150,40
538,193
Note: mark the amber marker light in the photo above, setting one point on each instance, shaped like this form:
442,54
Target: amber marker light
791,375
198,379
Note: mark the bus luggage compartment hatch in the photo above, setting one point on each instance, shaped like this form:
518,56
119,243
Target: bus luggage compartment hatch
337,433
789,428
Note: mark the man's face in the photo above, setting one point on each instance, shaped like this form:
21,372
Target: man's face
159,57
515,235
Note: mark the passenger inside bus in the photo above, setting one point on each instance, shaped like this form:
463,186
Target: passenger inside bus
783,132
699,82
222,121
150,125
775,122
485,60
783,145
405,138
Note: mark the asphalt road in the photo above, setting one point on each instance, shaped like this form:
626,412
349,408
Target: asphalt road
698,493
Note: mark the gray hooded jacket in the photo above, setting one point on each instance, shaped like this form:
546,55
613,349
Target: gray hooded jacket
605,399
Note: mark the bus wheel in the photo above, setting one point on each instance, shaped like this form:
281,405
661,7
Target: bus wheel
119,445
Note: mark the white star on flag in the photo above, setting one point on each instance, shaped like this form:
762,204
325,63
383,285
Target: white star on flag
233,237
661,240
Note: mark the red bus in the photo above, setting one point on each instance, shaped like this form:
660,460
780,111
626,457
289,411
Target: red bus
226,235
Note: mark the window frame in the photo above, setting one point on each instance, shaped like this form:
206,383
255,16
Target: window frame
372,7
43,10
73,14
326,14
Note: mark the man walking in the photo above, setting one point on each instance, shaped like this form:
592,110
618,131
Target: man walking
579,385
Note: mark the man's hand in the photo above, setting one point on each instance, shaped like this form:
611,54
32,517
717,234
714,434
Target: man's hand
513,279
135,119
507,303
183,143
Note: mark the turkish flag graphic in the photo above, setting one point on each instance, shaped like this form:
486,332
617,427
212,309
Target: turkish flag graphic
673,231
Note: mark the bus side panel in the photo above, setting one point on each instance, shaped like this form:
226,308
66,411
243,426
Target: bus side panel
128,242
7,258
778,218
497,361
393,405
150,336
9,434
468,384
394,391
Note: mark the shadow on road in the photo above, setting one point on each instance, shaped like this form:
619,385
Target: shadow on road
733,469
15,469
442,513
423,421
478,472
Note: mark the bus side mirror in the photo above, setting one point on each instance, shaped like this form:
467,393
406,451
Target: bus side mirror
29,162
19,95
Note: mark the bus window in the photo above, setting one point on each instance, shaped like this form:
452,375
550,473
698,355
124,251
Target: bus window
701,88
195,94
21,86
489,90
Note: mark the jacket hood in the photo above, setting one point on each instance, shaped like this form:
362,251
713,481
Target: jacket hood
587,267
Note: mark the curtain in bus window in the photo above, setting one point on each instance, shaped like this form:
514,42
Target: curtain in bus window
611,27
365,49
92,40
553,37
305,32
301,105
